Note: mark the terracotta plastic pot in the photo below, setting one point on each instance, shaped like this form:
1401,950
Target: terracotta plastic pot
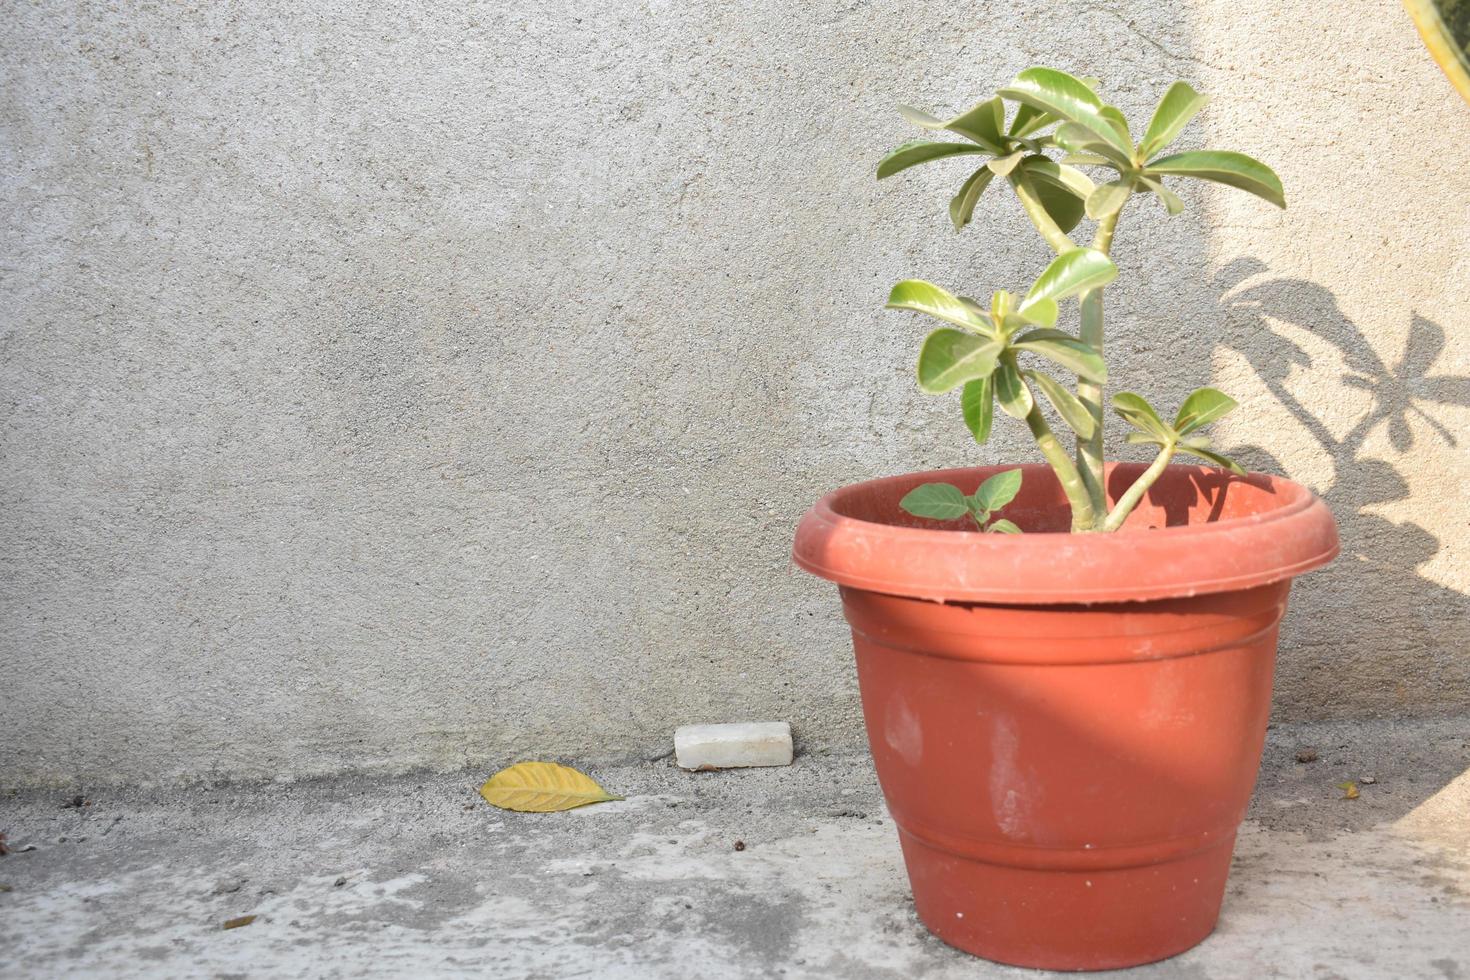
1067,727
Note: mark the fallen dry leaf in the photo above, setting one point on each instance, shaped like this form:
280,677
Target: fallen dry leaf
542,787
235,923
1349,790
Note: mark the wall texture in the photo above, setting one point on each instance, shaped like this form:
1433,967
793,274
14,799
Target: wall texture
411,384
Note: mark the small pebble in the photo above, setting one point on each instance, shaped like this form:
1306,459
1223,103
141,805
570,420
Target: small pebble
1367,780
1307,755
340,882
740,845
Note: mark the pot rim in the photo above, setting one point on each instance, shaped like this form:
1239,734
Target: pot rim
941,565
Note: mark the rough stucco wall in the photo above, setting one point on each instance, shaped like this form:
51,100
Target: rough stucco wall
409,385
1344,326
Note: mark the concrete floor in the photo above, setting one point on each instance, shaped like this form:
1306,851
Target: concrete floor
417,877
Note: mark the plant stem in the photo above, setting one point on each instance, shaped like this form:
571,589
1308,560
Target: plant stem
1083,510
1140,486
1090,451
1103,239
1049,229
1066,470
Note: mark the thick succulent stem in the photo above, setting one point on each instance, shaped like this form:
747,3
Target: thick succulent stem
1083,515
1084,512
1140,486
1026,194
1090,450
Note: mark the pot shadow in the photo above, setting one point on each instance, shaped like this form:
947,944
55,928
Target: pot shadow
1415,638
1370,634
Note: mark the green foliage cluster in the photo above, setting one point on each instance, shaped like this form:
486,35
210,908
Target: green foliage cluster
1059,125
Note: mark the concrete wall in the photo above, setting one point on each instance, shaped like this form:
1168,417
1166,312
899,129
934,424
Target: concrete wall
415,384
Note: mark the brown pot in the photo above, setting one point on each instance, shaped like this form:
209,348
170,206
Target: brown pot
1067,727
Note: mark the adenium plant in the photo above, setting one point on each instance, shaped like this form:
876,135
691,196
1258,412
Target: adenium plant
980,350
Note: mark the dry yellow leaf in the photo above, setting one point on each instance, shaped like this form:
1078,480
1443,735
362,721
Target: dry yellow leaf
542,787
1349,790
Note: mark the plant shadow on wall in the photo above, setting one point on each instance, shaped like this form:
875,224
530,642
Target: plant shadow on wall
1408,645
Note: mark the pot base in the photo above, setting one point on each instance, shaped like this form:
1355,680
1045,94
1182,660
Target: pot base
1100,919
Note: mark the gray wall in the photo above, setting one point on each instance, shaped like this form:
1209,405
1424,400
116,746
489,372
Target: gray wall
413,384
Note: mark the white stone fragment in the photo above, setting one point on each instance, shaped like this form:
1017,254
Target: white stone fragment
749,743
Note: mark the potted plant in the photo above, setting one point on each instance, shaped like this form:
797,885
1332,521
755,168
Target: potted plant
1066,716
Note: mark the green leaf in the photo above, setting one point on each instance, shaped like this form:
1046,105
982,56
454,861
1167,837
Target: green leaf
939,501
1176,109
980,313
1108,198
915,152
1086,160
1002,526
1064,349
1011,391
962,207
1071,273
1001,166
1201,408
1136,410
982,123
949,358
1213,457
1029,119
1068,405
1042,313
1045,170
1172,204
977,401
998,491
1143,438
1064,207
1224,167
1079,140
925,297
1062,95
1119,122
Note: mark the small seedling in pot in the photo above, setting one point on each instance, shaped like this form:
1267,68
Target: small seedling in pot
945,502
